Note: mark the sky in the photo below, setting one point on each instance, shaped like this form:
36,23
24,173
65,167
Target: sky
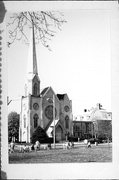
79,63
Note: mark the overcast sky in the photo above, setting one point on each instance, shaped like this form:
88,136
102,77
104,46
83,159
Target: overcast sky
79,63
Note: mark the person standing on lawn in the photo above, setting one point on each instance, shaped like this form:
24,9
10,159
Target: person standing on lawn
12,145
89,144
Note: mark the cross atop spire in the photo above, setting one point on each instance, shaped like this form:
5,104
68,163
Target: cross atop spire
32,60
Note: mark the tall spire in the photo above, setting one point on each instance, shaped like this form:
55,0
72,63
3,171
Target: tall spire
32,85
32,60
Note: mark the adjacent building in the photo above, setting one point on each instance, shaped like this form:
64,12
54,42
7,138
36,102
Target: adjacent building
83,129
102,121
96,123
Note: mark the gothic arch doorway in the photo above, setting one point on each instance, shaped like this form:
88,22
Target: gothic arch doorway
59,133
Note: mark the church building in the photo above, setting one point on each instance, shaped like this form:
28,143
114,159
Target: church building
45,109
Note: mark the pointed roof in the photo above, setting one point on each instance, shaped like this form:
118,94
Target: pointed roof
51,127
44,90
52,124
61,96
32,60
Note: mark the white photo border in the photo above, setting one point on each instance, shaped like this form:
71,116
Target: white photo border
69,170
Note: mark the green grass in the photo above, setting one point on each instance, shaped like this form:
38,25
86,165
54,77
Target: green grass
80,154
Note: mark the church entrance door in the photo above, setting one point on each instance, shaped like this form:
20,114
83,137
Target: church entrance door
59,133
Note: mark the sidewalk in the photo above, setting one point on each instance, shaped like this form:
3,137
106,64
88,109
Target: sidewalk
78,144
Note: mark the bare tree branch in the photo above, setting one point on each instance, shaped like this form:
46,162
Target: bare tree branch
45,25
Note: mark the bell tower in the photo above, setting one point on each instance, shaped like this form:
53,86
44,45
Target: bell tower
31,103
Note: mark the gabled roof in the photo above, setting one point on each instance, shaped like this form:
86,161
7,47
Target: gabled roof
61,96
52,124
101,115
44,91
51,127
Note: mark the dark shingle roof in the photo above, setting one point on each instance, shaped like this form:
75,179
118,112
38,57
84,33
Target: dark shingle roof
61,96
44,90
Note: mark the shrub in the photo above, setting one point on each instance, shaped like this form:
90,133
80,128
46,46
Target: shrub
39,135
72,139
13,126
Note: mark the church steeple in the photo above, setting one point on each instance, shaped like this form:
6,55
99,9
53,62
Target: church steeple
33,81
32,59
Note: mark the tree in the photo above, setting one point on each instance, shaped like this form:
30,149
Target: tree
39,135
13,126
45,24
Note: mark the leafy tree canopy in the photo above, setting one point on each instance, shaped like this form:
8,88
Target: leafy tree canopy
39,135
13,125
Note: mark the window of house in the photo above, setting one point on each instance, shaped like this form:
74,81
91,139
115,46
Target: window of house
77,128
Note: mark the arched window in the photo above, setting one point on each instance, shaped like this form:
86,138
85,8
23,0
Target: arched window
35,120
35,89
67,122
24,121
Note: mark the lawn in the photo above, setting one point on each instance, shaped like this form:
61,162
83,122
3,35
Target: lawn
80,154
